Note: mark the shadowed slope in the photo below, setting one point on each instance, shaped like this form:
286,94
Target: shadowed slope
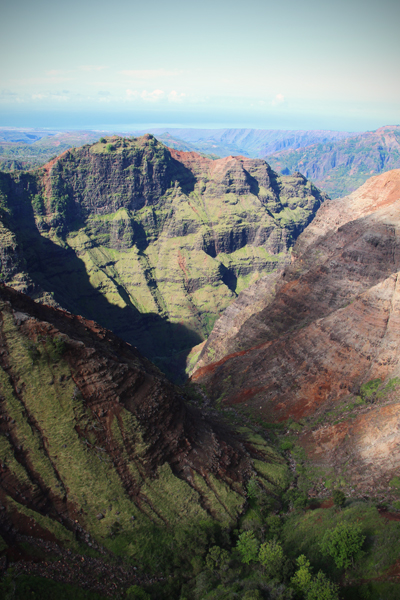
95,443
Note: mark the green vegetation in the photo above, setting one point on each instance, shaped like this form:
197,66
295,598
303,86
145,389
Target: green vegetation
248,546
343,543
27,587
339,498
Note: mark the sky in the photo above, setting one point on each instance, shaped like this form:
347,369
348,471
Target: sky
259,63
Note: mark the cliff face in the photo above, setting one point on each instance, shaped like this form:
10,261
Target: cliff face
95,444
323,347
152,243
340,166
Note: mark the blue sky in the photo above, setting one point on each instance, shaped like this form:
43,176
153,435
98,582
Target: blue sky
292,65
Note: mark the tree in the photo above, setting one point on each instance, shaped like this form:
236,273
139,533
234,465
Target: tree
312,587
339,498
274,524
247,546
302,578
102,140
271,557
217,559
321,588
343,543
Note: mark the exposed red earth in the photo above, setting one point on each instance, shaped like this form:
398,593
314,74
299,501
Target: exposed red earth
329,325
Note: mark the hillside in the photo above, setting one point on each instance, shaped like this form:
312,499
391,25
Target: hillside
339,167
321,346
99,450
151,243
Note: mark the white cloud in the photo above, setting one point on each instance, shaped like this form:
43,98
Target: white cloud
153,96
56,96
132,93
175,97
279,99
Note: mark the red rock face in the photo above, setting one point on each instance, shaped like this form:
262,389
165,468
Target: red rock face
331,324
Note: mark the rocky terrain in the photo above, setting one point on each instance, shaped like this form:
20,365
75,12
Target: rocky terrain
151,243
98,448
340,166
321,346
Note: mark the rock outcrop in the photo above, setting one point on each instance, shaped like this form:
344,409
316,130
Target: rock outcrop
152,243
96,444
324,348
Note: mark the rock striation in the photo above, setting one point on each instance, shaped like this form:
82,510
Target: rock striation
322,346
96,445
151,242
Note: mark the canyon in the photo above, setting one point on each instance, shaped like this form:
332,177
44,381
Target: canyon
151,243
284,304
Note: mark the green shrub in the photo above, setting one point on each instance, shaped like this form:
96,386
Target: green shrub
271,557
286,445
102,140
135,592
55,348
343,543
369,389
247,546
38,204
339,498
395,483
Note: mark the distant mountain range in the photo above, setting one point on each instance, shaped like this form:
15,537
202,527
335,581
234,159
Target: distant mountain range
254,143
341,166
338,162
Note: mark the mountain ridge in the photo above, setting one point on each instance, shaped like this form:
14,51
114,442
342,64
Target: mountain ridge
342,166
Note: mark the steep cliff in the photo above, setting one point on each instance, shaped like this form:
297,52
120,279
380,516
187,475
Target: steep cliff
150,242
97,447
322,346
